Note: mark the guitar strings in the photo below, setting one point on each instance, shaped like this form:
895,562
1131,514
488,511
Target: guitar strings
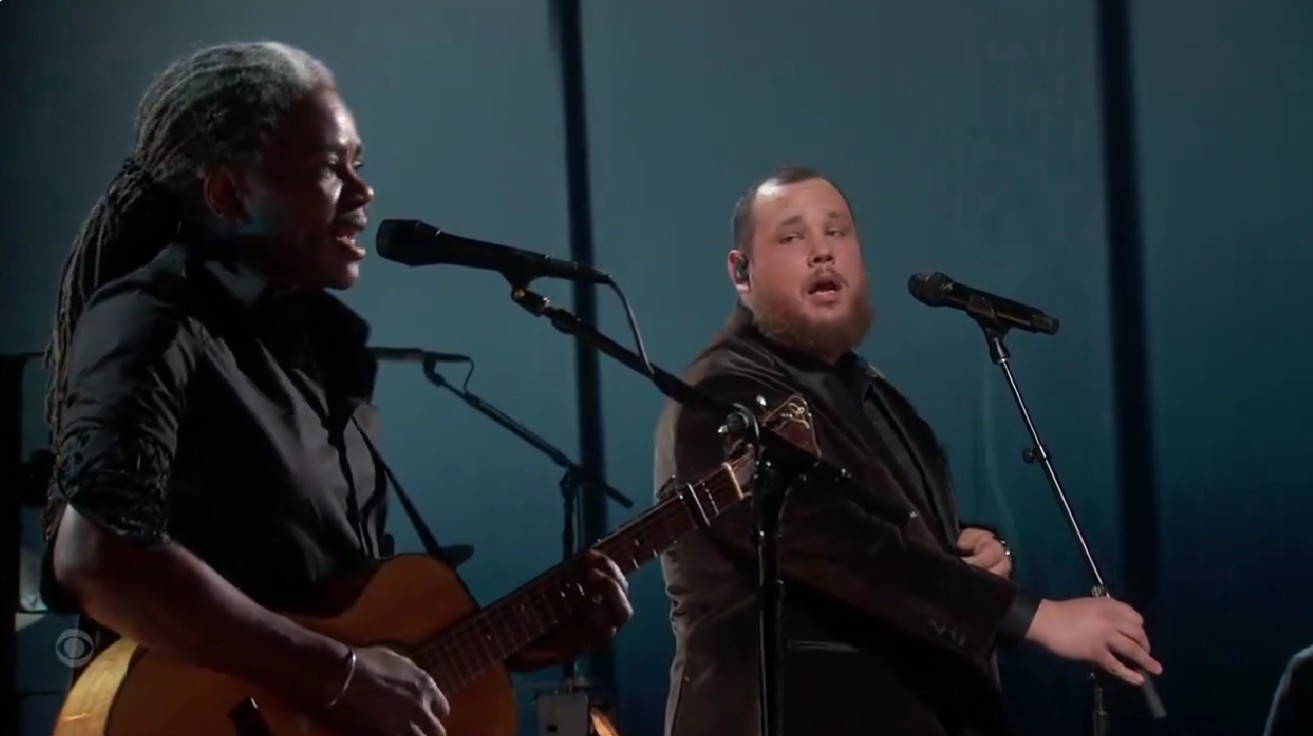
496,632
465,651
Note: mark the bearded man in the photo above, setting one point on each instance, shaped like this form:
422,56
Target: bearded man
891,623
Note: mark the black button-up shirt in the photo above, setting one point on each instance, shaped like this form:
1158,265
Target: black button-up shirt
206,409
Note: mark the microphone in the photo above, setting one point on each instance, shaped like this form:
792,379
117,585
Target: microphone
416,243
939,290
416,355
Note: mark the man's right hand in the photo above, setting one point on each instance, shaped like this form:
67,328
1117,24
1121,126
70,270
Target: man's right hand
389,695
1098,631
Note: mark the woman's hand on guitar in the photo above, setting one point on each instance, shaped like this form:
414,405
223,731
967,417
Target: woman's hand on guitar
607,608
386,695
604,611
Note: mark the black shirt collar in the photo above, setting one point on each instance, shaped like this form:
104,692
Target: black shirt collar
337,334
242,282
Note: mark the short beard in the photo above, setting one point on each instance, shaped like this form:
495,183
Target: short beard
826,339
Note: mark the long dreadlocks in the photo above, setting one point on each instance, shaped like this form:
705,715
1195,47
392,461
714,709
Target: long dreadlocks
213,109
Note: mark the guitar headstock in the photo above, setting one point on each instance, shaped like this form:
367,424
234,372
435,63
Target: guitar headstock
791,419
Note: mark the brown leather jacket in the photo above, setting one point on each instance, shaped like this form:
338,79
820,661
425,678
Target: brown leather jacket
889,631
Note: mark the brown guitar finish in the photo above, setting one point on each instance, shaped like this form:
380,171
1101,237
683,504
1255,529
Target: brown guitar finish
129,691
415,604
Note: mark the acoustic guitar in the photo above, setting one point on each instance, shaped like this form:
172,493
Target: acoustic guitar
416,605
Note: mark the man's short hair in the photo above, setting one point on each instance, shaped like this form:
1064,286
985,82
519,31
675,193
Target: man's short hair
741,224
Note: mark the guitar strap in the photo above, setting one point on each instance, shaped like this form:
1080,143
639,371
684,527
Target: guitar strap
425,536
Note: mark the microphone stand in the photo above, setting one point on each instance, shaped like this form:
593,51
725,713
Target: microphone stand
995,330
778,464
574,476
769,489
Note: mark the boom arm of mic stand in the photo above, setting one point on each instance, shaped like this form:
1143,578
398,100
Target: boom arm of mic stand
519,430
788,458
1001,357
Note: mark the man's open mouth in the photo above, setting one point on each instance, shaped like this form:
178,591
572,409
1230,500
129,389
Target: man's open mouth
824,285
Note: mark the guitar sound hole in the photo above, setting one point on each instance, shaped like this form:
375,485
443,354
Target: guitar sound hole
247,720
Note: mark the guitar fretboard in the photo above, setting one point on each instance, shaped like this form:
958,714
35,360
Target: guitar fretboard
495,633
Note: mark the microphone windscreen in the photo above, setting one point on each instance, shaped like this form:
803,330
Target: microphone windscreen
399,241
929,287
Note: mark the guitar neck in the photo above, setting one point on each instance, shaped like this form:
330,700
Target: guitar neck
504,628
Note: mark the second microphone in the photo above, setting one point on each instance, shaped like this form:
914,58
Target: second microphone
416,243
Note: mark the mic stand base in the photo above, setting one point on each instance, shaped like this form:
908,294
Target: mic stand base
1037,453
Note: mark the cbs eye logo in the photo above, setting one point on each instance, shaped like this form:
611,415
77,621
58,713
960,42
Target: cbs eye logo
73,648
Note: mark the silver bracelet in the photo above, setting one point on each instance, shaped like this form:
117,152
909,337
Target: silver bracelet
350,673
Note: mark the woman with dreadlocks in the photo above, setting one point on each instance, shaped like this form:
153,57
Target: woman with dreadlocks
210,400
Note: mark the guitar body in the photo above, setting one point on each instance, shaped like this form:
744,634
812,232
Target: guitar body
128,691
